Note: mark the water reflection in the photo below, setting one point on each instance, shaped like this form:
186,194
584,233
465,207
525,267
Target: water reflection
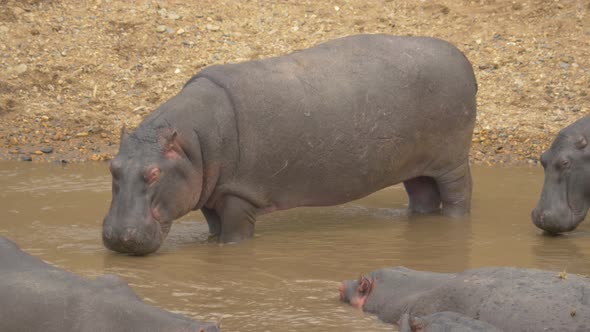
438,239
560,252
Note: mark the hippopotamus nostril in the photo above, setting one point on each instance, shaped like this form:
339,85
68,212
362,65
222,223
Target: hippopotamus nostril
130,234
538,216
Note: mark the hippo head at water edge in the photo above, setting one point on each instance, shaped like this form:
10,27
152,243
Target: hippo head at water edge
565,198
356,292
156,178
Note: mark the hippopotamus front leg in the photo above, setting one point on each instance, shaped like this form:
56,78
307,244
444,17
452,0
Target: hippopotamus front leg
232,220
213,221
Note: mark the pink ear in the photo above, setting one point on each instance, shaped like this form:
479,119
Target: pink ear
173,150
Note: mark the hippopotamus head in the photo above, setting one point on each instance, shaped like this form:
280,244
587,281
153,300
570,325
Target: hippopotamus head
388,292
356,292
565,198
156,179
381,291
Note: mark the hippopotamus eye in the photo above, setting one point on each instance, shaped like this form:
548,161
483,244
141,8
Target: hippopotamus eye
152,175
564,163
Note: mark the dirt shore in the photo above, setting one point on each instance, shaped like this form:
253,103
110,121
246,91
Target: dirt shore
72,73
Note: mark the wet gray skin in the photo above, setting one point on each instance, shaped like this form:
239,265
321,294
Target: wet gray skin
445,321
35,296
565,198
510,299
318,127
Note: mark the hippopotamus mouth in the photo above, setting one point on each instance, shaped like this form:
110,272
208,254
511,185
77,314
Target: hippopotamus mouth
137,241
567,222
557,212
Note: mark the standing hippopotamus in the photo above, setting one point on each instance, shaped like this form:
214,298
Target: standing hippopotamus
35,296
509,299
565,198
317,127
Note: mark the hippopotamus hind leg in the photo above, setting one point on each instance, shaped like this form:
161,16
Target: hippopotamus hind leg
423,193
455,190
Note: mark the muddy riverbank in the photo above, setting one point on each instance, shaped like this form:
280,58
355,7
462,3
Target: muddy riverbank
73,73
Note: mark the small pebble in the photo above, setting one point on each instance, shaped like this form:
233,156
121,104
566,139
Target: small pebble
161,28
47,149
26,158
19,69
212,27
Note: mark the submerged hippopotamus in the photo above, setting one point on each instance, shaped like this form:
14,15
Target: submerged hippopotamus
35,296
509,299
565,198
445,321
321,126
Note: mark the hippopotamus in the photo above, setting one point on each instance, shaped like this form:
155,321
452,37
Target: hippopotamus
445,321
36,296
509,299
565,198
317,127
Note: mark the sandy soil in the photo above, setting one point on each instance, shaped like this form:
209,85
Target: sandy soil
72,73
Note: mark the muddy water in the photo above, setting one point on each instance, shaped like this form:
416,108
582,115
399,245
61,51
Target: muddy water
286,278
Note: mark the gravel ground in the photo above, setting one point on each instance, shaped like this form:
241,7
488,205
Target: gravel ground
72,73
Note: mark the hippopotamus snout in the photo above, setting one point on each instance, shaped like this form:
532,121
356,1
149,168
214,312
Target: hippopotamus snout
347,289
356,292
132,240
553,221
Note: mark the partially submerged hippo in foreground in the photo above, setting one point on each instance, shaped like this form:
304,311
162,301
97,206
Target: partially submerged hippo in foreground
509,299
321,126
445,321
35,296
565,198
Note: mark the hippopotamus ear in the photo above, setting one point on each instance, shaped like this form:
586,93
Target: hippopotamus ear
581,142
172,148
417,325
365,285
123,133
408,323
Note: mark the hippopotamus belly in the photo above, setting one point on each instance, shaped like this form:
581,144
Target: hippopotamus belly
337,122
